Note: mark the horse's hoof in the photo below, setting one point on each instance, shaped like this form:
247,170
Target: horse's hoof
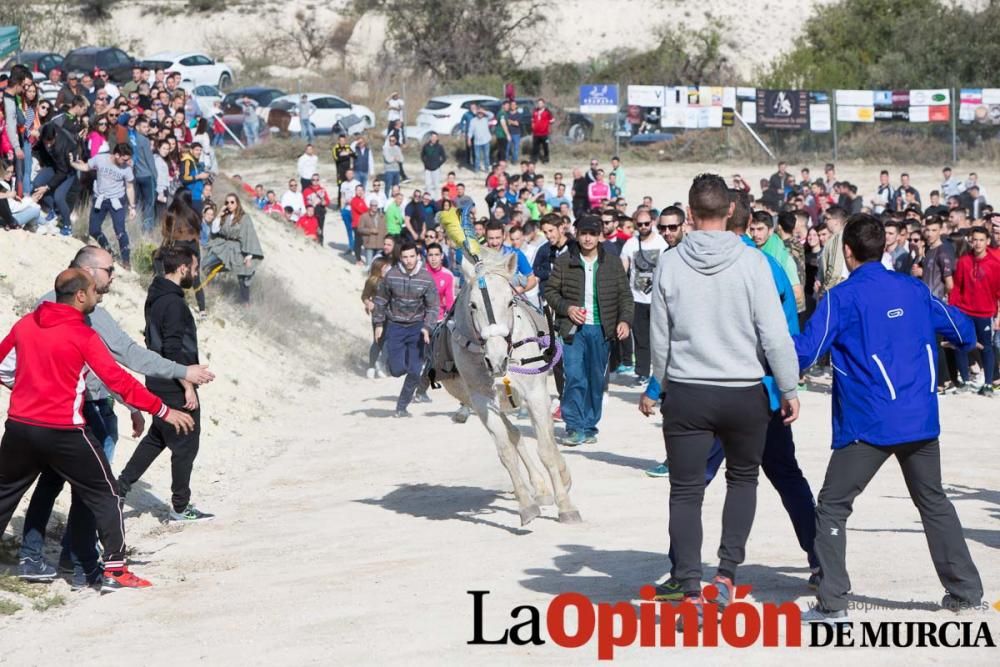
545,500
570,517
529,513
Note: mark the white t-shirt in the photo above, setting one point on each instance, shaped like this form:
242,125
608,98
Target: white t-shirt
641,268
589,297
294,199
308,165
347,192
395,109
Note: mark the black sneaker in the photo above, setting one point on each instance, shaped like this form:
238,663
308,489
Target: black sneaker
814,579
952,602
669,591
400,414
191,514
30,569
80,580
986,390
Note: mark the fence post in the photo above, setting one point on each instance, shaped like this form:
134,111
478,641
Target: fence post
833,121
954,126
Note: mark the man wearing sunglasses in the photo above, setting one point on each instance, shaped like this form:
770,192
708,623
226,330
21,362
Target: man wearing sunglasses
98,412
640,255
671,225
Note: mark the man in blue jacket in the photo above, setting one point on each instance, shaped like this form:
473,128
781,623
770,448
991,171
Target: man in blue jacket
879,327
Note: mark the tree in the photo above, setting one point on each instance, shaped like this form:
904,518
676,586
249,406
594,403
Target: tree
314,38
458,38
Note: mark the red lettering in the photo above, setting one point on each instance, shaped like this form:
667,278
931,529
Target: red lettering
647,617
555,620
606,637
793,623
730,626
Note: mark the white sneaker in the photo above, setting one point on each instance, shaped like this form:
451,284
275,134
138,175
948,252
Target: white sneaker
370,374
48,230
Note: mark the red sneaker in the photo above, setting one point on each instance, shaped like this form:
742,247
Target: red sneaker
123,578
557,414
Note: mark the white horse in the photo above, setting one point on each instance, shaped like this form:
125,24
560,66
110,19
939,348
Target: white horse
493,335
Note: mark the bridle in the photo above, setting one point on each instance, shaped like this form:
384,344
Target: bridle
493,329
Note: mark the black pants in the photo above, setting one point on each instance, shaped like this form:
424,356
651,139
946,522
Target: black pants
501,149
77,457
850,470
320,221
539,145
183,450
640,334
305,183
693,415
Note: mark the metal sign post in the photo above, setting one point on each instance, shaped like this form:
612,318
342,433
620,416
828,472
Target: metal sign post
954,124
753,134
833,109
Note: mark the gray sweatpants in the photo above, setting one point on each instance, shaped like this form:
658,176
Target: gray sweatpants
850,470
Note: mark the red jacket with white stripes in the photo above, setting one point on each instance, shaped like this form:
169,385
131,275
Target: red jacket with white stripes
55,351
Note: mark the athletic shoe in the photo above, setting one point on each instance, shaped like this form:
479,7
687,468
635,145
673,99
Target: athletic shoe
669,591
557,414
641,381
65,231
30,569
370,373
421,397
814,580
986,390
819,615
572,439
697,601
80,580
965,388
202,315
621,370
461,415
399,414
658,471
191,514
50,216
726,589
629,370
952,602
590,438
121,578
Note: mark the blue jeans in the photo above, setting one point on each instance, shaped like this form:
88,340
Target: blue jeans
362,178
251,132
404,347
32,214
482,157
145,192
307,130
782,469
219,139
56,199
585,361
391,178
514,148
25,174
97,216
984,336
80,538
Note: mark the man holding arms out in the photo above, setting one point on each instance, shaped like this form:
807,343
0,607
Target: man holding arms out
880,327
45,425
707,296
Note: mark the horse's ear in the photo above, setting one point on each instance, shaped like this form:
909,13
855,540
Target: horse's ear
510,265
468,268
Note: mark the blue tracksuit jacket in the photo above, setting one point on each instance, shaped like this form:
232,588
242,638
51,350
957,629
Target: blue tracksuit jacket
880,328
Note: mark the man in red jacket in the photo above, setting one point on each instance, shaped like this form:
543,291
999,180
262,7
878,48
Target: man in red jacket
541,125
45,424
975,292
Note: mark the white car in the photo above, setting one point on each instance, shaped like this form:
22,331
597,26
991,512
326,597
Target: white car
329,110
443,114
196,68
206,96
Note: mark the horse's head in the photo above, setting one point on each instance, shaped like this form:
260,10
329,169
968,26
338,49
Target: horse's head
491,305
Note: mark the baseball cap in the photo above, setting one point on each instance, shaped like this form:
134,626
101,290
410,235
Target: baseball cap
588,224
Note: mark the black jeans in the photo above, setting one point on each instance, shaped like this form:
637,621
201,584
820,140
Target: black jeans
320,221
850,470
539,145
693,415
183,450
76,456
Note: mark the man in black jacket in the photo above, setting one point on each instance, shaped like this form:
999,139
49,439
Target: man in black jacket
56,174
171,332
589,293
433,157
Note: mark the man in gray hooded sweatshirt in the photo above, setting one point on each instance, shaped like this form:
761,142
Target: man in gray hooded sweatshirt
716,327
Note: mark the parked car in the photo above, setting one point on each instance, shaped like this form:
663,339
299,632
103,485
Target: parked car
205,95
443,114
576,127
232,114
36,61
197,68
114,61
329,110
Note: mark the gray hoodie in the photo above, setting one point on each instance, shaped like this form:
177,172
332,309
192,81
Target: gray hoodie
716,318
